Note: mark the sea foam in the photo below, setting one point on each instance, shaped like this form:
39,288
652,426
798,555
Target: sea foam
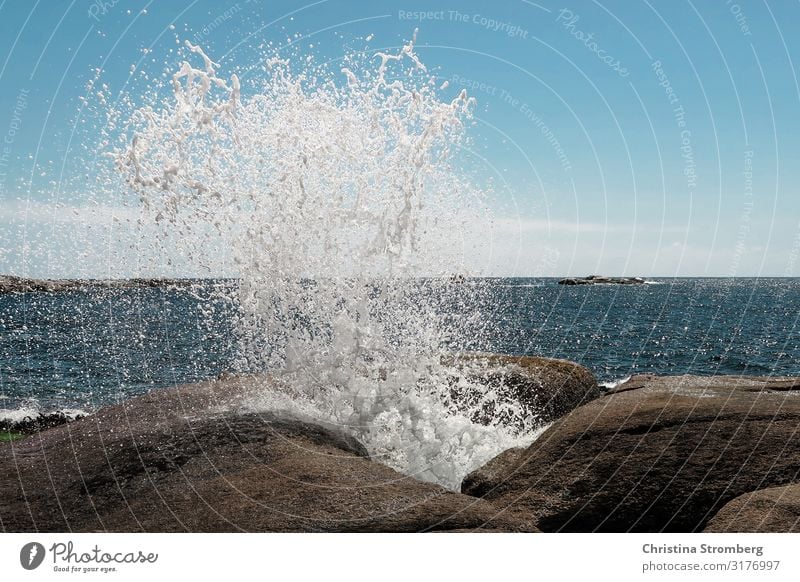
338,196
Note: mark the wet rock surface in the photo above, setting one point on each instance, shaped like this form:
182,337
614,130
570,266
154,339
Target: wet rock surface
655,454
772,510
181,460
545,388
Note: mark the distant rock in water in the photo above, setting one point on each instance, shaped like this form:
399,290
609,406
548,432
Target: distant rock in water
12,284
600,280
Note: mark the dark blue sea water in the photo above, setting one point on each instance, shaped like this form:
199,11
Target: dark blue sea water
85,349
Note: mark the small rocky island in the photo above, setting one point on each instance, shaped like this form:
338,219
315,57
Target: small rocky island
601,280
12,284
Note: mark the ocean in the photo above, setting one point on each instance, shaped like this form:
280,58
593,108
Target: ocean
80,350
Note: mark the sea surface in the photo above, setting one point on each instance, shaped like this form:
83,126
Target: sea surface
84,349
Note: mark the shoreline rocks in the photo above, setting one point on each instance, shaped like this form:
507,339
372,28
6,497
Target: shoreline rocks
537,387
600,280
772,510
182,459
11,284
655,454
486,478
14,284
33,423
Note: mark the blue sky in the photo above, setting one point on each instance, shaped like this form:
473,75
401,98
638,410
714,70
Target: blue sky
655,138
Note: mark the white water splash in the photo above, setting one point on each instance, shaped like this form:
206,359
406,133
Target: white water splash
333,193
611,384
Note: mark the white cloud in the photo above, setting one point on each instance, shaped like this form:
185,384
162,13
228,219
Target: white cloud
100,240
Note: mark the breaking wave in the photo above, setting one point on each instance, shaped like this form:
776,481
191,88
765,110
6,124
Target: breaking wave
338,198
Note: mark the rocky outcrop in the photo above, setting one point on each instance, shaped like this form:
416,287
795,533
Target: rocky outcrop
772,510
600,280
544,388
182,459
484,479
11,284
655,454
36,422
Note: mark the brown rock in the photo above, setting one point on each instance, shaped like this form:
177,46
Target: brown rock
180,460
773,510
545,388
657,454
483,479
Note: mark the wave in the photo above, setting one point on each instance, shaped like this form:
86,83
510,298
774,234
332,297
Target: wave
611,384
332,192
31,418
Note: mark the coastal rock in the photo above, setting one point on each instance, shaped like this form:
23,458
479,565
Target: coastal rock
544,388
483,479
772,510
181,459
600,280
33,423
656,454
12,284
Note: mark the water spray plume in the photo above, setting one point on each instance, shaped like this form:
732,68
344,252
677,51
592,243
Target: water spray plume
337,197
